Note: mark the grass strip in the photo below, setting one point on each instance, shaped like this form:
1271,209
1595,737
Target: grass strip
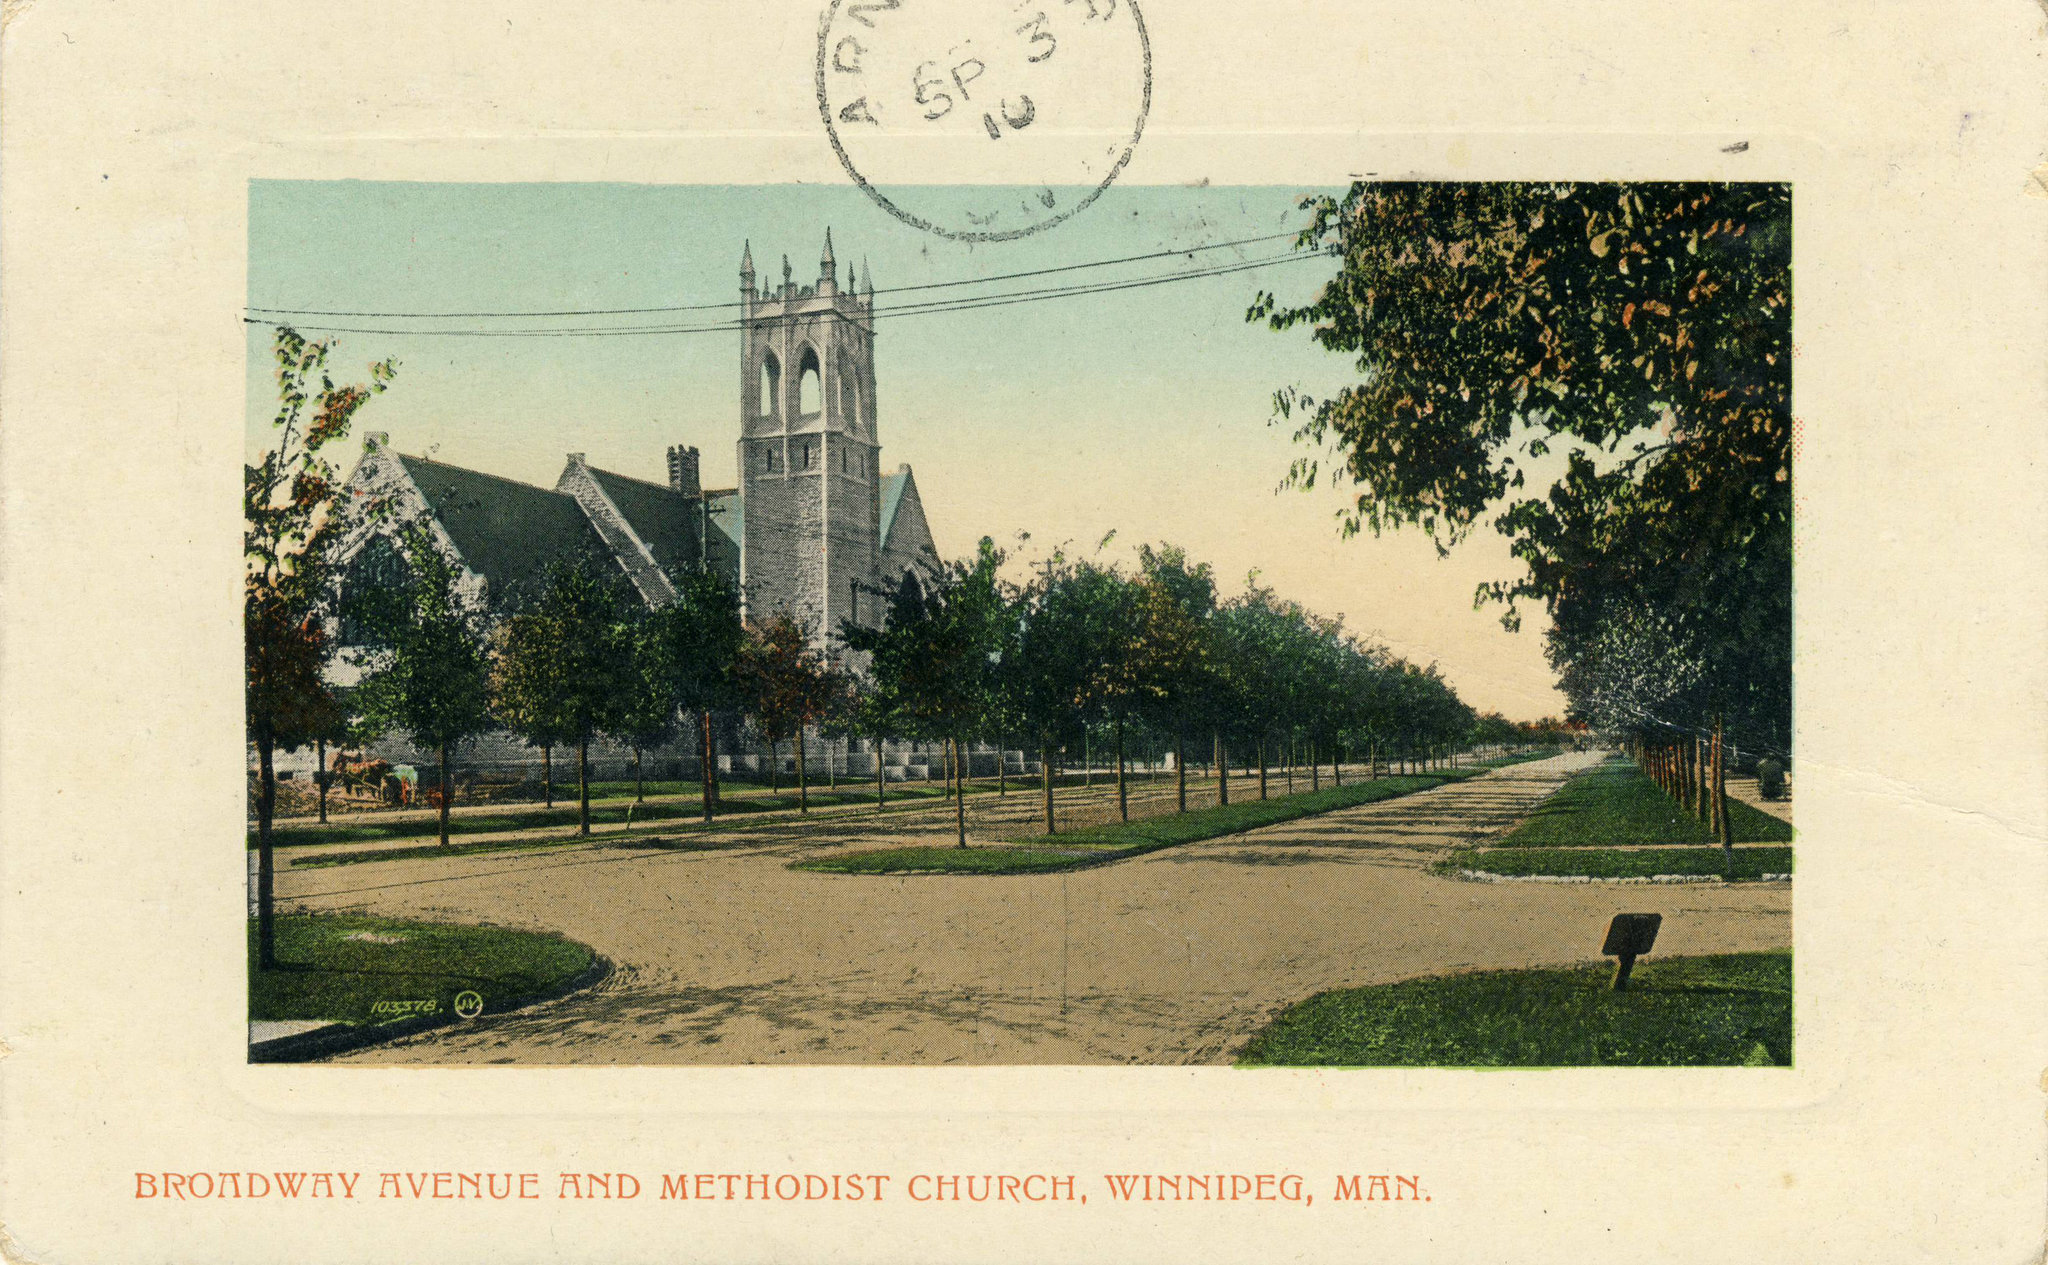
1115,841
1751,862
1616,804
357,970
612,814
1727,1010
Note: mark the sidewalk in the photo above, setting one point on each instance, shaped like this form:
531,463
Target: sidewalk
1743,787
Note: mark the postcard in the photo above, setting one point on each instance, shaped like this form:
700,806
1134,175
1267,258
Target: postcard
925,630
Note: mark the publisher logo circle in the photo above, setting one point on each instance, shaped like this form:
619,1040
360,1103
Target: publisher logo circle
468,1004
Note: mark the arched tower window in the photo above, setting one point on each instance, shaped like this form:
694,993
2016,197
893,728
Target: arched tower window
771,385
807,394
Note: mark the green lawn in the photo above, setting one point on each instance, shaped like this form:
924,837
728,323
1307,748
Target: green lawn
1093,845
340,968
1722,1011
611,813
1615,804
1751,862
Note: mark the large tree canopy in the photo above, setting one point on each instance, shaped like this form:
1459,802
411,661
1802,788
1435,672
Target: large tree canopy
1641,330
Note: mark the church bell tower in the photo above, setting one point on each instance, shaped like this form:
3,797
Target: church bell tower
809,459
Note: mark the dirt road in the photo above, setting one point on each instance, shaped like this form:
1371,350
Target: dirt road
1172,958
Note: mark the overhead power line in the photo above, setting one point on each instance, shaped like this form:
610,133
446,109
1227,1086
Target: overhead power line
734,304
930,307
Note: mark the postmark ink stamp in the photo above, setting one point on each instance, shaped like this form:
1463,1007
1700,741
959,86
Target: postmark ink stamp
1060,88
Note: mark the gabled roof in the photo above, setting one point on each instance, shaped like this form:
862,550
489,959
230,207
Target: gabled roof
892,500
663,518
507,532
726,513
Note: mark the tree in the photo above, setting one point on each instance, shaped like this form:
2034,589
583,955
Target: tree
698,638
581,633
788,684
934,666
289,526
427,662
529,694
646,715
1644,329
1058,661
1177,598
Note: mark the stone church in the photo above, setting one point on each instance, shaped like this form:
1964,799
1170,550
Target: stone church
815,527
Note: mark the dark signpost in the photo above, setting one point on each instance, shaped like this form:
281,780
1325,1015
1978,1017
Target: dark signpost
1629,936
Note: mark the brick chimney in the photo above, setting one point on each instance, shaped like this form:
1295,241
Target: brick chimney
682,471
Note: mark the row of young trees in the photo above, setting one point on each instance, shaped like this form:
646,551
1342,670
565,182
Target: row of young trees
1154,654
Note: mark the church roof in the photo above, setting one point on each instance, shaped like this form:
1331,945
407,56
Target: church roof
725,510
663,518
892,500
507,532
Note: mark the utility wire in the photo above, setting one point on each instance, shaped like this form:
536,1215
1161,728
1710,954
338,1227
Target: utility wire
713,307
928,308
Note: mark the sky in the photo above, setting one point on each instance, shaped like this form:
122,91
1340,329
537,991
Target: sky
1145,412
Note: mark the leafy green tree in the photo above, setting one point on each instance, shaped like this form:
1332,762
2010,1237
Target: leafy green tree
647,712
289,528
529,693
583,628
698,639
427,663
1644,330
1176,599
934,666
1070,632
788,685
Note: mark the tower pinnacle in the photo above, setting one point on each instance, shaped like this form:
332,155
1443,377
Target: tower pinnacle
747,262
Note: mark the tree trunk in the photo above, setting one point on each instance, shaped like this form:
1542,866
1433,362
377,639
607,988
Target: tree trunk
1726,834
1222,772
547,772
707,763
639,783
1337,766
1002,768
1291,740
831,764
446,792
1123,799
881,778
1045,776
1315,769
1180,769
1262,768
320,773
1087,759
959,803
583,787
266,805
803,781
774,767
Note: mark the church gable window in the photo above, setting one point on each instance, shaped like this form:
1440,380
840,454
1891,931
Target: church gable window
375,575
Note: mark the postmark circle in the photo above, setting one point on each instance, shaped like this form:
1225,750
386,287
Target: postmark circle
1058,89
468,1004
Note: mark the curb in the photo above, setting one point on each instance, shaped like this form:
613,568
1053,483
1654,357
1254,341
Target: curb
339,1038
1482,876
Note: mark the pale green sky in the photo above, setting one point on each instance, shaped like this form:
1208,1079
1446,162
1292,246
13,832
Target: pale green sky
1143,411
